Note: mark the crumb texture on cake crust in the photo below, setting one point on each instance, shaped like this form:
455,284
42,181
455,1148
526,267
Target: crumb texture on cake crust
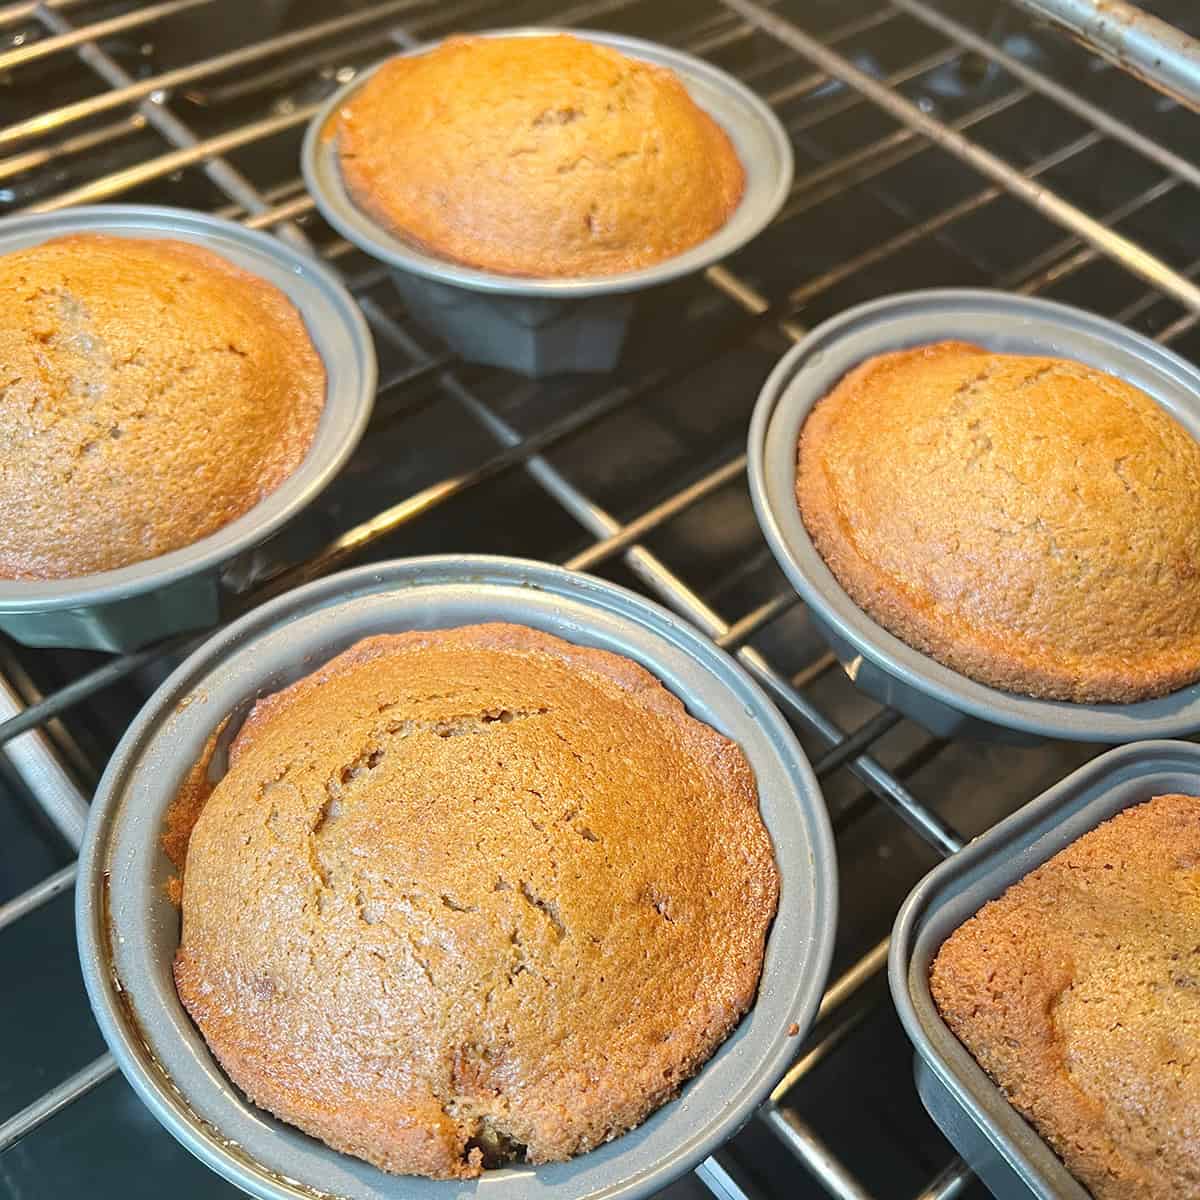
541,156
1078,991
150,393
473,889
1031,522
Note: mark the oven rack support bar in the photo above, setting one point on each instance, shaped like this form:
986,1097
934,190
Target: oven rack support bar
1093,114
1133,39
1126,252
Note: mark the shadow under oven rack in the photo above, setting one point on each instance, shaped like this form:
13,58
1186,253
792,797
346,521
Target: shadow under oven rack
974,148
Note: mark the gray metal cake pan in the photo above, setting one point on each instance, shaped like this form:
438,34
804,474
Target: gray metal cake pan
128,930
995,1140
131,606
936,696
542,326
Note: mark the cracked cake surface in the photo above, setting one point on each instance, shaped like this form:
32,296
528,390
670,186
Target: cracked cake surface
472,894
545,156
1031,522
150,393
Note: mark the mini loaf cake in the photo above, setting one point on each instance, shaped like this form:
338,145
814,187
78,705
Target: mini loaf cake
544,156
150,392
1031,522
1078,991
471,894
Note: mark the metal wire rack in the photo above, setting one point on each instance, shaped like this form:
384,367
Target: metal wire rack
978,147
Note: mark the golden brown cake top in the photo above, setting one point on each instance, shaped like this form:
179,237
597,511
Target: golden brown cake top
1078,991
473,889
543,156
150,392
1031,522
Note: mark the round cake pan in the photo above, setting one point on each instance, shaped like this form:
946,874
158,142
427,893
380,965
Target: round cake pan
934,695
128,929
996,1141
541,326
131,606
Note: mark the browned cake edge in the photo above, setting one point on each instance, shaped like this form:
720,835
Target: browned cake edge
359,1130
995,982
1002,663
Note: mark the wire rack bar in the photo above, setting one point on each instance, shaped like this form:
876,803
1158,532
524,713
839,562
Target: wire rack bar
660,513
949,1183
1148,299
854,979
854,744
1108,124
1179,327
743,629
55,1100
719,1181
1133,39
1128,253
35,760
810,1150
33,899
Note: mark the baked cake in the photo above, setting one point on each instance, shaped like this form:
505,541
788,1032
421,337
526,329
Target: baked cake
1078,991
1033,523
472,894
150,392
541,156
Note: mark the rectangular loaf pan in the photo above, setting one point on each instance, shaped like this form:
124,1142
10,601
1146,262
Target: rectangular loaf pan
1000,1147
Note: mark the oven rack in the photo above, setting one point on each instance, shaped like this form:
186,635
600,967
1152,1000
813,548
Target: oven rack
797,62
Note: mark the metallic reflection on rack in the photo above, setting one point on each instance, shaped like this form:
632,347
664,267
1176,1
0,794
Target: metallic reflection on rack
39,766
1133,39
